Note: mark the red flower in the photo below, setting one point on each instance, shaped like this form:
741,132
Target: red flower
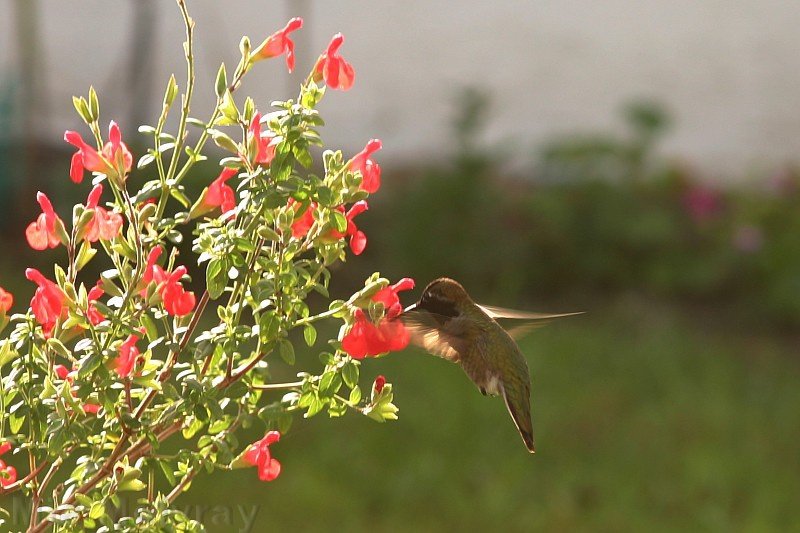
258,455
380,381
114,159
90,408
104,224
41,233
47,303
279,43
388,296
152,271
265,143
8,474
219,193
702,202
369,169
358,240
365,339
6,301
92,314
177,301
331,67
128,352
302,225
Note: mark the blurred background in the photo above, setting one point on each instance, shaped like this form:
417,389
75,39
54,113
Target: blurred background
634,160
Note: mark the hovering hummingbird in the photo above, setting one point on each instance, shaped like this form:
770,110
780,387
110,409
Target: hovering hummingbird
446,322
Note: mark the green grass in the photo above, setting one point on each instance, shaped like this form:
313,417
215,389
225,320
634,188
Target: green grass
645,420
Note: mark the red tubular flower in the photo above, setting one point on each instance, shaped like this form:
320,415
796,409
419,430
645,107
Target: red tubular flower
114,159
331,67
92,314
152,272
380,382
388,296
219,193
177,301
5,447
104,224
365,339
6,301
258,455
47,303
279,43
358,240
265,143
128,352
302,225
41,233
369,169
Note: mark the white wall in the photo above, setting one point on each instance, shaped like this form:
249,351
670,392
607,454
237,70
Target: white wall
729,70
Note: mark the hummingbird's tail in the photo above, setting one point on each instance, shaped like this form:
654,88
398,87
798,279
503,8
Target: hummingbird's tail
521,414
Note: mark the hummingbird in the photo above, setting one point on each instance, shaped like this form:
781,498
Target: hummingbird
448,323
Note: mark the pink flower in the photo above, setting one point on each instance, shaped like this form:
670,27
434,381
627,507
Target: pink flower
259,455
265,143
177,301
92,314
358,240
331,67
104,224
702,202
380,382
41,234
114,160
365,339
6,301
48,302
369,169
279,43
90,408
388,296
128,352
219,193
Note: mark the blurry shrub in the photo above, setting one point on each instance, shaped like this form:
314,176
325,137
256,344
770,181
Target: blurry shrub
601,215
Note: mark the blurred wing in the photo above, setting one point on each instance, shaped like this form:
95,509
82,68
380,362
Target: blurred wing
438,335
532,320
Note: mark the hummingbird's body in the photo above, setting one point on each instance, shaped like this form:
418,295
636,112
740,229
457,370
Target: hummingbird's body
446,322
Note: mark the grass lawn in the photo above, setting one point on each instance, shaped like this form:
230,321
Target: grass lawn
645,420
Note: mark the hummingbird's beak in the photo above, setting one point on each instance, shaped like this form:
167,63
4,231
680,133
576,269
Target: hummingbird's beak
411,307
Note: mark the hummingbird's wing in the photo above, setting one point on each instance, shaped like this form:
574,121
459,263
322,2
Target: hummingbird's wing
530,320
436,334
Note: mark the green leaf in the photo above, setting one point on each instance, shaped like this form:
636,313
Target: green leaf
216,278
225,142
286,351
94,105
178,195
222,81
7,353
340,221
355,395
171,92
350,374
310,335
85,255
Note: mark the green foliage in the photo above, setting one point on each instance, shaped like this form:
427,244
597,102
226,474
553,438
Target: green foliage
105,432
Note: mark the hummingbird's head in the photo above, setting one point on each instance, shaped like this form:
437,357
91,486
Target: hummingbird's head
444,297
